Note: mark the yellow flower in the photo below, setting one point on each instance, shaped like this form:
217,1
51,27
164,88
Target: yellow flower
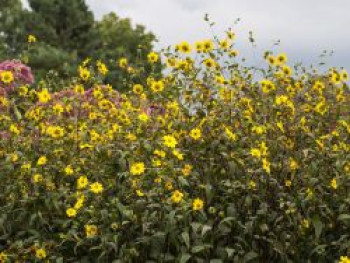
6,77
271,59
82,182
71,212
178,155
177,196
187,169
84,73
159,153
281,58
168,186
287,71
123,62
266,165
102,68
80,202
293,165
91,230
318,86
37,178
208,45
14,129
224,44
152,57
137,168
23,90
259,129
305,223
137,89
139,193
68,170
199,46
334,184
288,183
321,108
143,117
96,188
344,259
252,184
267,86
169,141
157,86
344,75
42,160
196,134
232,136
44,95
255,152
184,47
209,63
280,126
40,253
3,257
31,39
14,157
197,204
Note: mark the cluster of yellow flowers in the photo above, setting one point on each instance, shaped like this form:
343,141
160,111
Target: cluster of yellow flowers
207,123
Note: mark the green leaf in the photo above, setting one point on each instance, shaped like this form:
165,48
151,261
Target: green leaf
344,217
186,238
250,256
317,225
184,258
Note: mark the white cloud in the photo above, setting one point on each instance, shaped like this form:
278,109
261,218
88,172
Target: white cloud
304,27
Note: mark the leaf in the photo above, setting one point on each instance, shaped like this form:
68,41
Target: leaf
184,258
205,229
317,225
250,256
186,237
199,248
344,217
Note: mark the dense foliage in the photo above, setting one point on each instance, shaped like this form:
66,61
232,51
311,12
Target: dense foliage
213,162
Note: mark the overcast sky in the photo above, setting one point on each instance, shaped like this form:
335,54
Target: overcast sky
305,27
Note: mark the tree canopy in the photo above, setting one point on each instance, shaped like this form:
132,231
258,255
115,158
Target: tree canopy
68,33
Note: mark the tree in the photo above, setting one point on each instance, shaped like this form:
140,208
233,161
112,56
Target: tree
67,33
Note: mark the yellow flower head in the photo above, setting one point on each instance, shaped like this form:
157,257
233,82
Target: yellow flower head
31,39
71,212
40,253
91,230
137,168
82,182
177,196
169,141
184,47
137,89
44,95
333,183
152,57
96,188
197,204
6,77
196,134
157,86
42,160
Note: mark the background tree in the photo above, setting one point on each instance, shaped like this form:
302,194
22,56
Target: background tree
67,33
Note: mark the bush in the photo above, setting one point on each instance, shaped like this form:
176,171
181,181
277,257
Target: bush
213,162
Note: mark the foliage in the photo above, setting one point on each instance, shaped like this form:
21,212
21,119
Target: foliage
214,162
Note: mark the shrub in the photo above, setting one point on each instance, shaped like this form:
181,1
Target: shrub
213,162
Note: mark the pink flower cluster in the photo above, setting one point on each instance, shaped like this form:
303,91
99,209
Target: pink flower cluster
22,74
